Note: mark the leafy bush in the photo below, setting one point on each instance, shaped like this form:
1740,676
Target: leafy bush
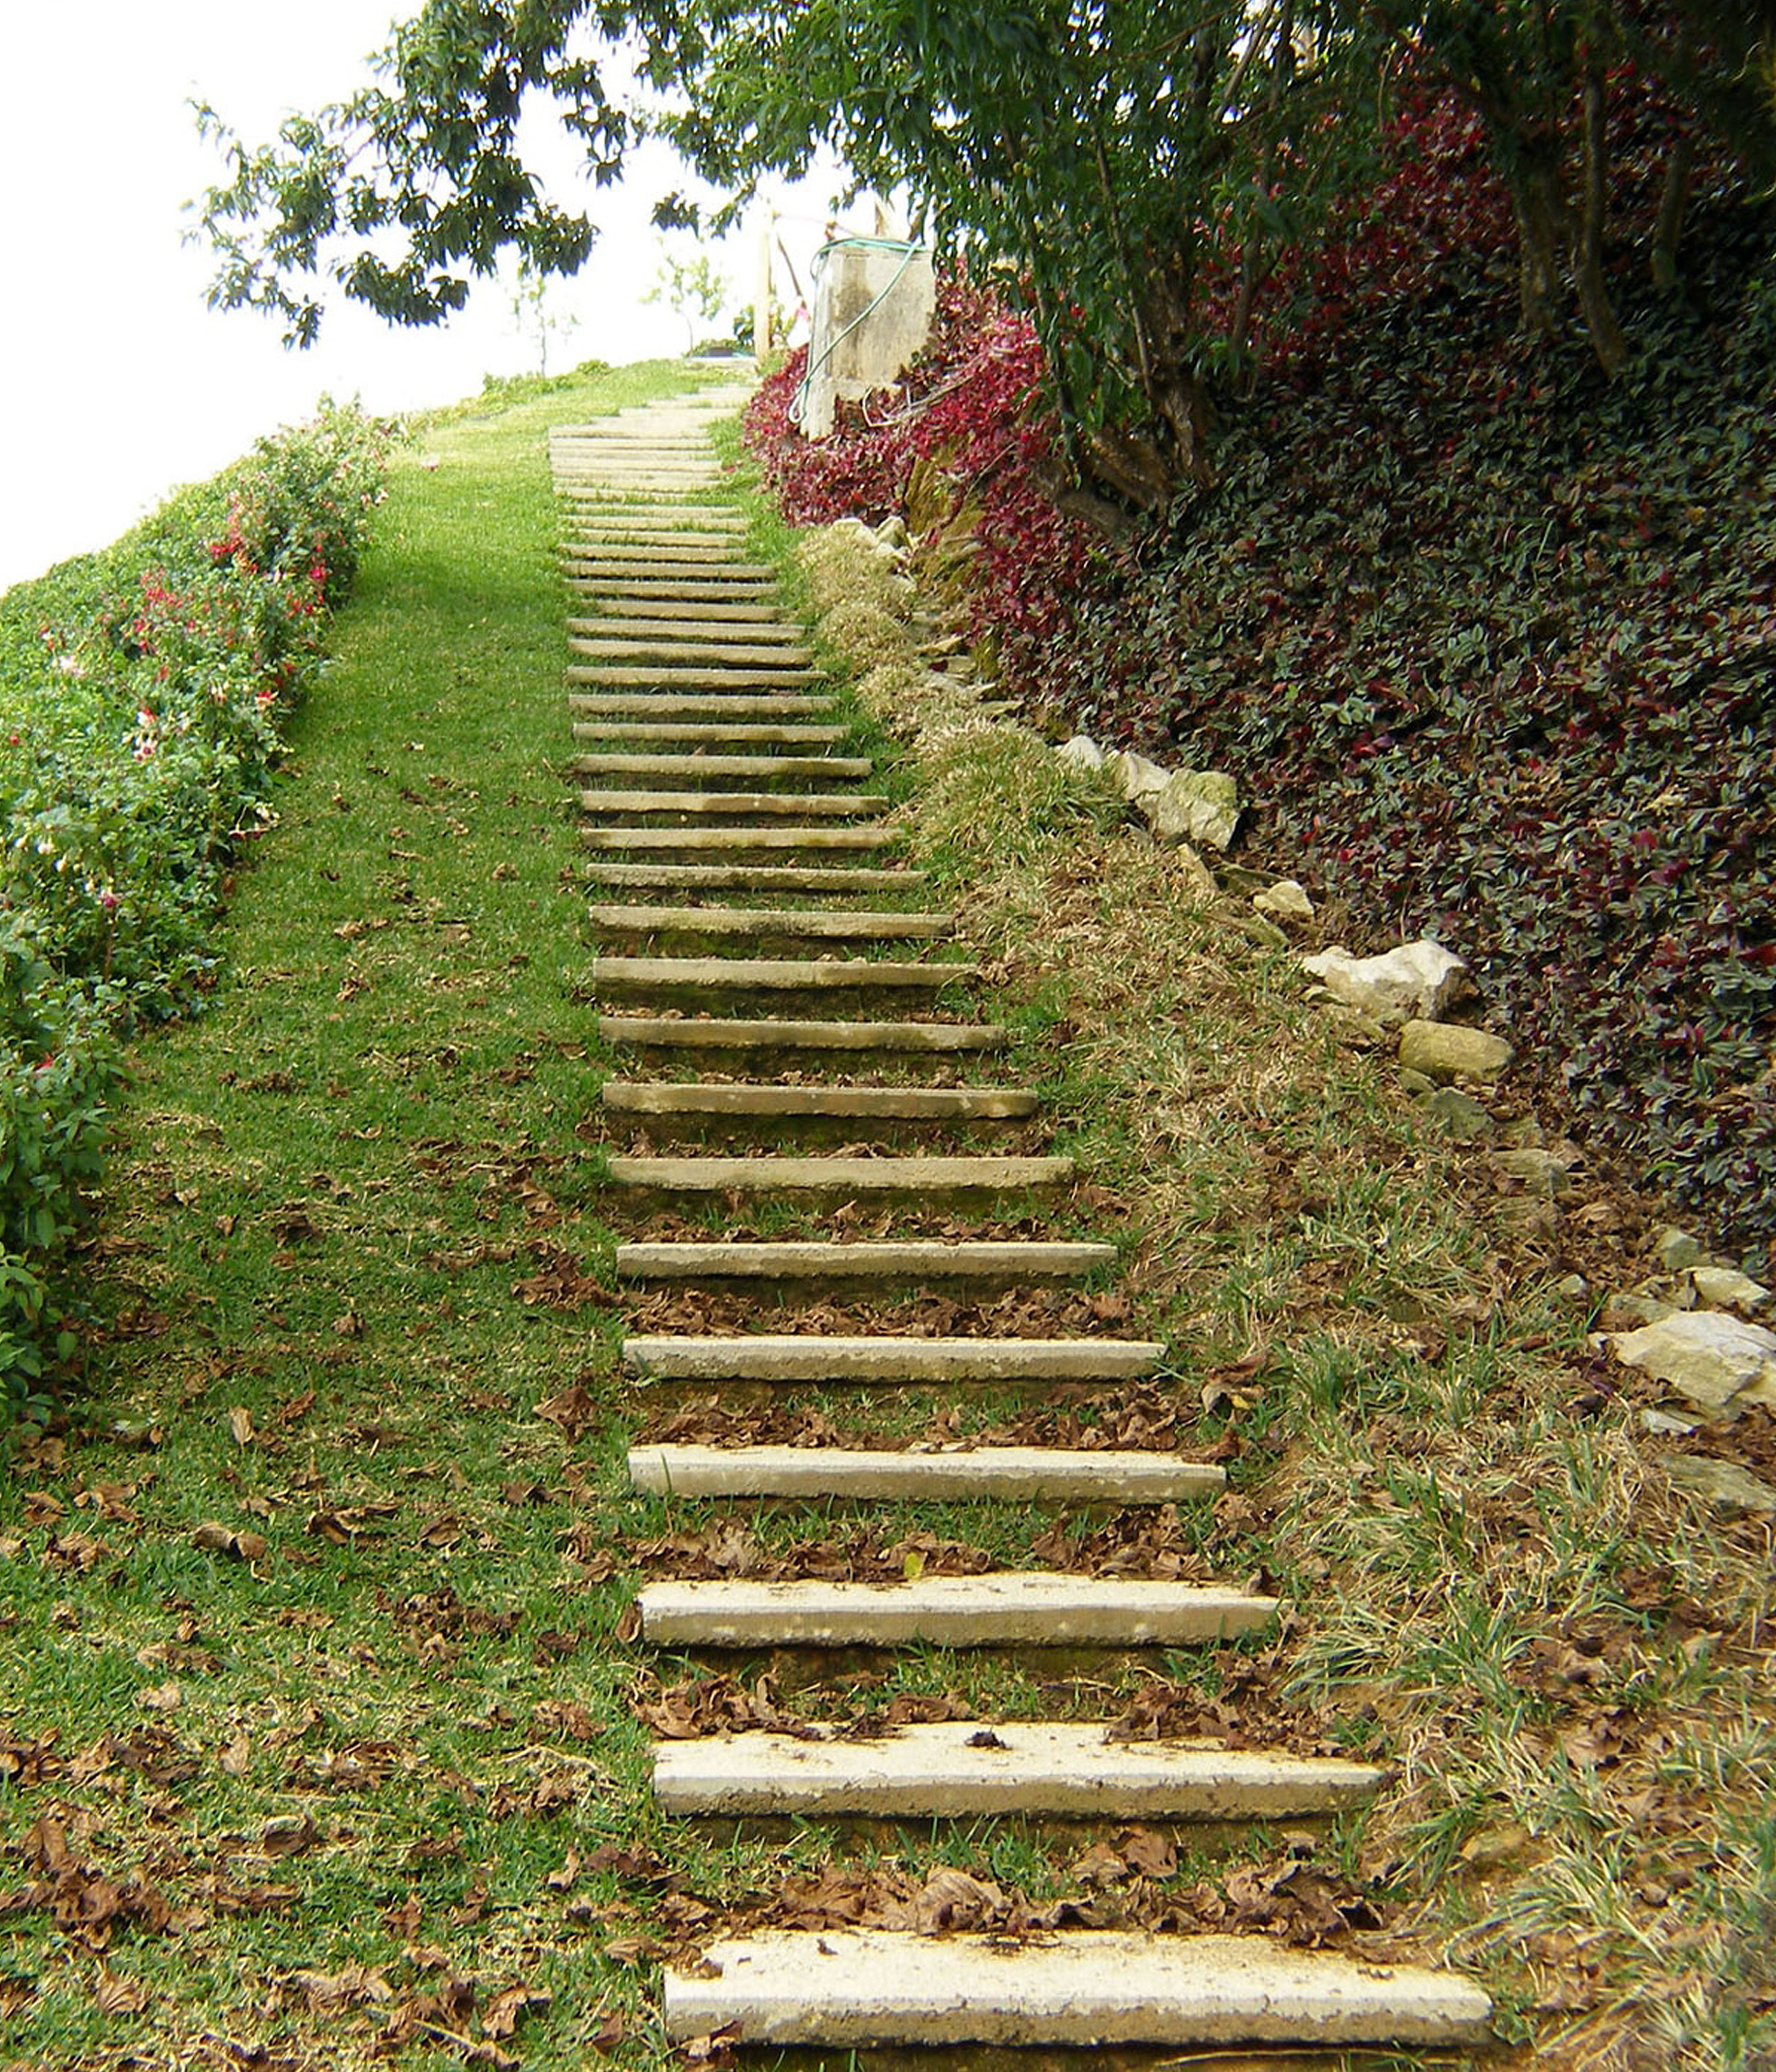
1488,639
140,696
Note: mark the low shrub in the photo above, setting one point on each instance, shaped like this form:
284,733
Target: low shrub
141,695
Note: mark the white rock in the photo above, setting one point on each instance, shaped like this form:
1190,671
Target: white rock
1285,901
1137,775
856,530
1418,979
1083,752
1723,1288
1714,1360
1194,805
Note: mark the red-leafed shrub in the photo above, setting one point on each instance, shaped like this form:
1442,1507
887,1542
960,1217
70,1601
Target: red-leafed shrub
972,405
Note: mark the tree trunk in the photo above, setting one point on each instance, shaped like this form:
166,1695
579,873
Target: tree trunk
1534,200
1606,333
1672,201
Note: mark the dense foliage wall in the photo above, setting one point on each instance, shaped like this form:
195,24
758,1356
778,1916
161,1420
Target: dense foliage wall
1489,638
142,692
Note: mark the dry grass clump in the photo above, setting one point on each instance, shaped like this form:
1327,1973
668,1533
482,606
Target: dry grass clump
843,564
865,633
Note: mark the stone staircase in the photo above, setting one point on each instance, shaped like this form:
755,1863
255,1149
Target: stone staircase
778,981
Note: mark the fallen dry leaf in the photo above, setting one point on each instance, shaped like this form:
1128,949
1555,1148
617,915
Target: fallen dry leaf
241,1424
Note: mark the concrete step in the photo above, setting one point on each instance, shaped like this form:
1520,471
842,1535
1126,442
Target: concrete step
717,707
752,924
715,563
727,1036
1006,1608
845,1989
686,676
811,805
713,734
1017,1475
667,590
751,877
914,1181
709,978
682,1099
611,626
732,841
1064,1770
924,1261
603,531
642,764
588,506
795,1358
737,654
672,611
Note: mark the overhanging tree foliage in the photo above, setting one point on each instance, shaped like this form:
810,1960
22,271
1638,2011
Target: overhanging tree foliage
1137,172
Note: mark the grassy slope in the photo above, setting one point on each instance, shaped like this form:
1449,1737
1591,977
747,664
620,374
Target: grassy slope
352,1788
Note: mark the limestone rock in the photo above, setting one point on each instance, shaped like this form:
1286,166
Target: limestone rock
1417,979
1196,805
1137,776
1445,1051
1285,902
1718,1362
1542,1172
1676,1249
1082,752
1721,1288
1723,1483
1462,1117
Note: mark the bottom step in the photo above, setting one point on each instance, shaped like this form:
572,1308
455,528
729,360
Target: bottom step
854,1987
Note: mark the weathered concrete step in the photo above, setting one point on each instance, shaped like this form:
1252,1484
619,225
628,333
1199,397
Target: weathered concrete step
807,924
727,1036
717,562
743,614
910,1180
591,505
851,1987
717,707
609,626
605,531
684,677
922,1104
840,805
643,764
616,978
676,590
875,1260
737,736
1010,1474
1007,1608
725,654
751,877
1064,1769
740,841
795,1358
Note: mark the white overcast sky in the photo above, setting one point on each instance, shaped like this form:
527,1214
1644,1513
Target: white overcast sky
116,382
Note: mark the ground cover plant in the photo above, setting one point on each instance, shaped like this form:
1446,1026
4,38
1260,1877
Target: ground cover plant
1483,635
143,692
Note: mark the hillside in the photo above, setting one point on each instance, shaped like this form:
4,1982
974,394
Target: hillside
1485,638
